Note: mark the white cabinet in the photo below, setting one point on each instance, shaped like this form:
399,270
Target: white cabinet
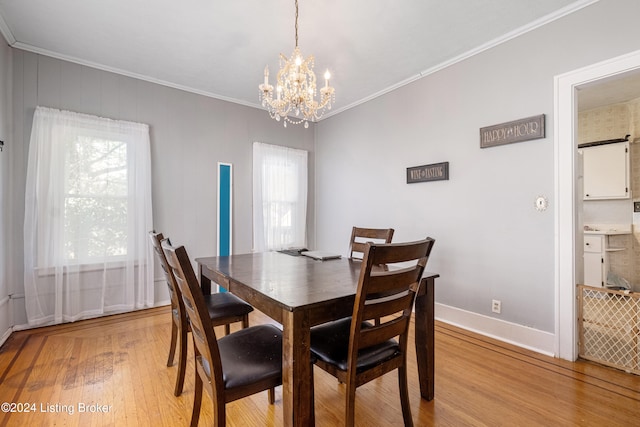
596,254
595,267
606,171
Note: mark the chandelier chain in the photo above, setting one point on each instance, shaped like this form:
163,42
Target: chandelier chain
296,23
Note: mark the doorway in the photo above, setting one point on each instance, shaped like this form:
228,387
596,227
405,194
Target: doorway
566,197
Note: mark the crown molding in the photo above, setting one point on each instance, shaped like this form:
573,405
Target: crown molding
560,13
567,10
6,32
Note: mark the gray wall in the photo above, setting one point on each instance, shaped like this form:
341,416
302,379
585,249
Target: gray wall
5,187
491,242
189,135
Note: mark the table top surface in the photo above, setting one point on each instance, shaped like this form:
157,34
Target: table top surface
292,281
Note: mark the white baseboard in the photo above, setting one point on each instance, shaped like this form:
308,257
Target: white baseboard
5,320
157,304
512,333
5,336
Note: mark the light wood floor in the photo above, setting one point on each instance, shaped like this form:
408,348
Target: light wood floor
118,363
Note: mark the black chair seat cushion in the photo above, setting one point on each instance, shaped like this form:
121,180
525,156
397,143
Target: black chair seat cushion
250,355
225,304
330,343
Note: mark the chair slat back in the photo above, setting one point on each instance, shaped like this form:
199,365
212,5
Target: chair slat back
204,338
174,291
389,281
360,236
387,291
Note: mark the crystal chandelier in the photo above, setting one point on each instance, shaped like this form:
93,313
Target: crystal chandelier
296,89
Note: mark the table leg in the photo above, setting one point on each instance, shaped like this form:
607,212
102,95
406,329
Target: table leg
425,341
205,282
297,377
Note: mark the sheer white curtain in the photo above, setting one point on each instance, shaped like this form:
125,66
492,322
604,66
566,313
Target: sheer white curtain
87,215
279,197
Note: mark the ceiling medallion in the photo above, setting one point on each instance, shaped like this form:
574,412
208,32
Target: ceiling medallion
296,89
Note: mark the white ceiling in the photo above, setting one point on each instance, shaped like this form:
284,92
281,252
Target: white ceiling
612,90
220,48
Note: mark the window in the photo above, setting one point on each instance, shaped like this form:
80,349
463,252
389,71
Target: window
96,193
279,197
87,215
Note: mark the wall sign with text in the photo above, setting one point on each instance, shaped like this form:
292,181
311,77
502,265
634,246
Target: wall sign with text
433,172
515,131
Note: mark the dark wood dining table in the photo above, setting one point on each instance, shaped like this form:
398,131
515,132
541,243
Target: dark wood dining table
299,292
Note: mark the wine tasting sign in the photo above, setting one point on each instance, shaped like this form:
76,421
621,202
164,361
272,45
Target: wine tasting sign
433,172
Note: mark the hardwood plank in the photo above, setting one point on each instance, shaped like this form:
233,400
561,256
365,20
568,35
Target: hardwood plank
120,361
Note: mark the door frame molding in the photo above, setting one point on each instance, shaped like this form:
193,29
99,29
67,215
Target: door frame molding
565,152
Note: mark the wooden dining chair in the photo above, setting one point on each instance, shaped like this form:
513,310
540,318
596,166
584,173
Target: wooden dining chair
235,366
360,236
224,309
353,349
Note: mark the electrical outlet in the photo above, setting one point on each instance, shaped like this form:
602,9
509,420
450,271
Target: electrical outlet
496,306
636,205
